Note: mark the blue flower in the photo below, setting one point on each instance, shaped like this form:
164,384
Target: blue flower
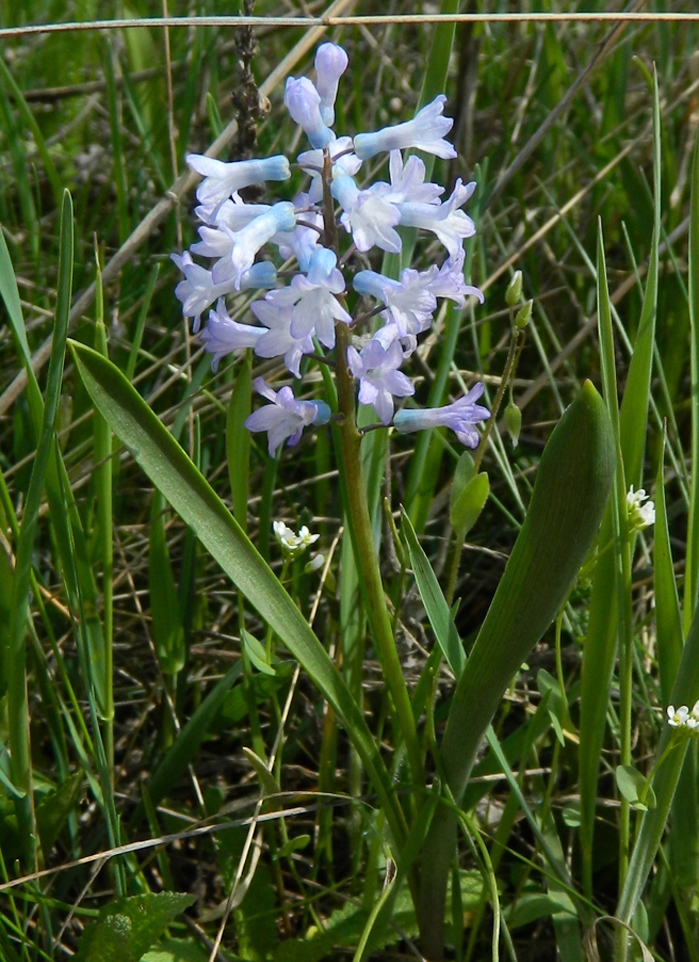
246,242
424,132
408,181
302,100
221,179
285,417
409,302
368,216
198,291
330,63
222,335
461,417
449,223
278,340
379,378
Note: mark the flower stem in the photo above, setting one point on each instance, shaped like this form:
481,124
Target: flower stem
361,531
367,561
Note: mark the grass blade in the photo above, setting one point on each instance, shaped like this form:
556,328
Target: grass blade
192,497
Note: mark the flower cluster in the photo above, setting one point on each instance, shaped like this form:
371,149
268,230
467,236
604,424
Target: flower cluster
640,515
301,317
683,717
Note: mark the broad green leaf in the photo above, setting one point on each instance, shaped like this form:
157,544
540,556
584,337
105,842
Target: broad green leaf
635,788
573,481
177,950
572,485
130,926
297,844
530,907
195,501
54,808
106,941
256,653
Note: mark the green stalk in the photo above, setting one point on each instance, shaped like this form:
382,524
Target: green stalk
367,559
359,521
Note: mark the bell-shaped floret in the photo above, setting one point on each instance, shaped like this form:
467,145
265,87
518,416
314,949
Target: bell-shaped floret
277,340
221,179
461,417
424,132
368,216
409,302
330,63
246,242
408,181
379,378
198,291
302,100
310,299
222,335
445,220
285,417
448,281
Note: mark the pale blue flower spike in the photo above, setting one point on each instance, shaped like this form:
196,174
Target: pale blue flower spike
424,132
330,63
302,100
293,318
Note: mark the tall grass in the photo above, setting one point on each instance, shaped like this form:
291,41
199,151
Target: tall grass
160,744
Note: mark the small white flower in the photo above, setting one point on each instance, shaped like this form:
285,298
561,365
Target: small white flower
679,718
293,544
640,515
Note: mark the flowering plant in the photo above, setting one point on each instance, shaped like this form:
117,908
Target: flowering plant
325,232
362,326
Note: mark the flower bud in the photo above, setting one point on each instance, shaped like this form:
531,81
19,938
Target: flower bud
514,290
524,315
513,422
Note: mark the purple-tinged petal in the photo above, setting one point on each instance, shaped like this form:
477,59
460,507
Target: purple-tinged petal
425,132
